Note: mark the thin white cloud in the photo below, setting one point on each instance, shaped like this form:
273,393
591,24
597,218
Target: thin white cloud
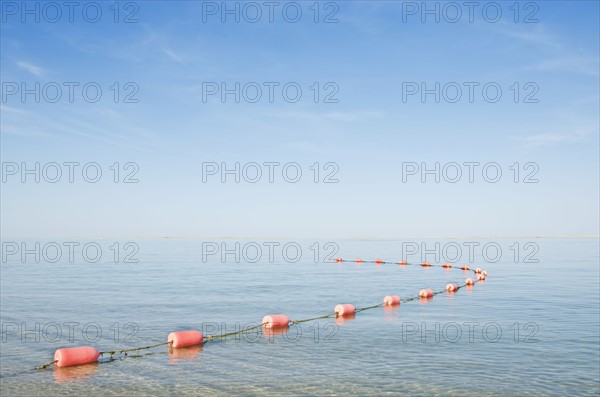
159,39
98,127
354,116
19,130
583,65
555,138
537,34
10,109
31,68
170,53
329,116
564,58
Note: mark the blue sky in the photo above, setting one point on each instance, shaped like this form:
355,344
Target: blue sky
374,47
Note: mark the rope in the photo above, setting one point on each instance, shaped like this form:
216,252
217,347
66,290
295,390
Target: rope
312,319
209,338
113,352
46,365
213,337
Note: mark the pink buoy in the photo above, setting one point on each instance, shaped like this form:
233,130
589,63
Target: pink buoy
344,309
391,300
185,338
465,267
478,270
481,277
451,287
70,356
275,321
469,281
425,293
484,273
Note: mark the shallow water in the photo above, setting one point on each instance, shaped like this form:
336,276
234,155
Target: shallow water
437,347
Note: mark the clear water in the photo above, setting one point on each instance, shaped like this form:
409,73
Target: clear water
554,303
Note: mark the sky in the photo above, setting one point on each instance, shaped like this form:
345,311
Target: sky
339,115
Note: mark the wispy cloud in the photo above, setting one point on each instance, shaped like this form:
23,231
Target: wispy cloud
555,138
95,126
31,68
583,65
9,109
329,116
160,40
353,116
170,53
563,57
11,123
537,35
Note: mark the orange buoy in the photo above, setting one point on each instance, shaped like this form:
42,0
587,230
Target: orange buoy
344,309
484,273
465,267
451,287
425,264
481,277
446,265
275,321
478,270
185,338
391,300
425,293
359,261
378,261
339,260
70,356
469,281
402,263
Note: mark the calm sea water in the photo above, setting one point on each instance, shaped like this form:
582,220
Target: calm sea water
530,329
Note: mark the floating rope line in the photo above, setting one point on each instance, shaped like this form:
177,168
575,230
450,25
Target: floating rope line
84,355
133,349
209,338
46,365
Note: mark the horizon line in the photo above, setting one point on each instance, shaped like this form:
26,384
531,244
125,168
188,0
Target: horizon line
370,238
